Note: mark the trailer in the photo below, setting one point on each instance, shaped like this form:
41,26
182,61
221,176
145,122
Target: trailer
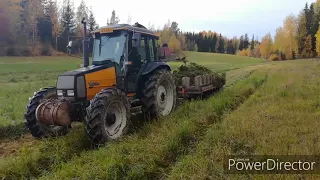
200,86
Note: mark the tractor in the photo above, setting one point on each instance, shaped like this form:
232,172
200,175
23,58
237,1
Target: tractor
127,76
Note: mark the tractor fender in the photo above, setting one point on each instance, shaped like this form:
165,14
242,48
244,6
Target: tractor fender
148,69
155,65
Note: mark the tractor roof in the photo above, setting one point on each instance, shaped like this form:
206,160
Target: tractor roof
136,28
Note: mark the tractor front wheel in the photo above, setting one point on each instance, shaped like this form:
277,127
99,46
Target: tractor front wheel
37,129
108,116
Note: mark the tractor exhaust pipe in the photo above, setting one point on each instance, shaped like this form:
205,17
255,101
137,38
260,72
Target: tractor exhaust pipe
85,44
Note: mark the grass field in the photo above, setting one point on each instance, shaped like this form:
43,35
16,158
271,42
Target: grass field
21,76
266,108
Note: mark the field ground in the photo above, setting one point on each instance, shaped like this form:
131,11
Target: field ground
268,108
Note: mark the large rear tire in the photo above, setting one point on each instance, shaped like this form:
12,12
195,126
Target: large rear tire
159,94
108,116
37,129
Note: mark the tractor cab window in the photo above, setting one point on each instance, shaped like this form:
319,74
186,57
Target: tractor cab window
142,49
151,49
109,47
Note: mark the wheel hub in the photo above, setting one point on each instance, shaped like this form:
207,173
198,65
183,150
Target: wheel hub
162,96
111,118
165,97
115,119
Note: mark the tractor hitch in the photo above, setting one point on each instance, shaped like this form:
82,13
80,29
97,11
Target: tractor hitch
54,112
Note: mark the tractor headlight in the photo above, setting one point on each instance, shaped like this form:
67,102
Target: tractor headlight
59,93
70,92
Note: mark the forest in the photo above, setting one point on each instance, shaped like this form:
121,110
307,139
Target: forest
41,27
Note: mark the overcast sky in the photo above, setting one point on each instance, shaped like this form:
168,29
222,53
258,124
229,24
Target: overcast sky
229,17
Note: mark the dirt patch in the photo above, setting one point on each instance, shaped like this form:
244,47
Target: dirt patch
11,147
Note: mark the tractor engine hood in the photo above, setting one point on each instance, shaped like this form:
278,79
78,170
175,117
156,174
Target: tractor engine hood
82,84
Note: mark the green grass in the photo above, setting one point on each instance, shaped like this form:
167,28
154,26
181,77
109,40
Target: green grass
47,155
281,118
265,109
150,153
136,156
20,77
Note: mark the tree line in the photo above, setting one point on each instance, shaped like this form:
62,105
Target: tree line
298,37
41,27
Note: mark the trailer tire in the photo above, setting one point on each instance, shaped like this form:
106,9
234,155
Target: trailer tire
108,116
37,129
159,94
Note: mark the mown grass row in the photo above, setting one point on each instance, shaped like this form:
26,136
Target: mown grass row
12,131
149,153
34,161
281,118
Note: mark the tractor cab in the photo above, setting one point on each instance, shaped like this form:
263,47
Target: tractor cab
129,48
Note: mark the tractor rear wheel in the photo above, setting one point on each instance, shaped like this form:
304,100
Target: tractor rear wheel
108,116
159,94
37,129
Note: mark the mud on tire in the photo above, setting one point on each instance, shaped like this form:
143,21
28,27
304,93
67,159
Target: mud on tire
159,94
37,129
108,116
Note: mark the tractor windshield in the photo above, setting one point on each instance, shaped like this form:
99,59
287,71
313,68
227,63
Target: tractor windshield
109,47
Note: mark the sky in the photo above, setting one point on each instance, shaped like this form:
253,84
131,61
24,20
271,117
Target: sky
228,17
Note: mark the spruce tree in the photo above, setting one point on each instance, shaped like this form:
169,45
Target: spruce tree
67,22
114,19
241,45
246,42
314,28
221,44
252,43
301,32
308,13
92,22
214,42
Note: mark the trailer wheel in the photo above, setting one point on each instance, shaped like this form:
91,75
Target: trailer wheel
37,129
159,94
108,116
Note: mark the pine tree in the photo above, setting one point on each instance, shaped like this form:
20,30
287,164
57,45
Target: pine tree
52,11
241,45
252,43
230,47
67,22
114,19
221,44
92,22
214,42
301,32
309,12
174,27
82,12
246,42
315,27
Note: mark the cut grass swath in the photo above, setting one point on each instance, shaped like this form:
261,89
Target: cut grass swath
32,162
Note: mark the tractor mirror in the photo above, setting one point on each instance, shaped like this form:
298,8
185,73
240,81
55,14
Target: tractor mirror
136,40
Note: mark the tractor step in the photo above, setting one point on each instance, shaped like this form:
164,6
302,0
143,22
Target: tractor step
136,110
